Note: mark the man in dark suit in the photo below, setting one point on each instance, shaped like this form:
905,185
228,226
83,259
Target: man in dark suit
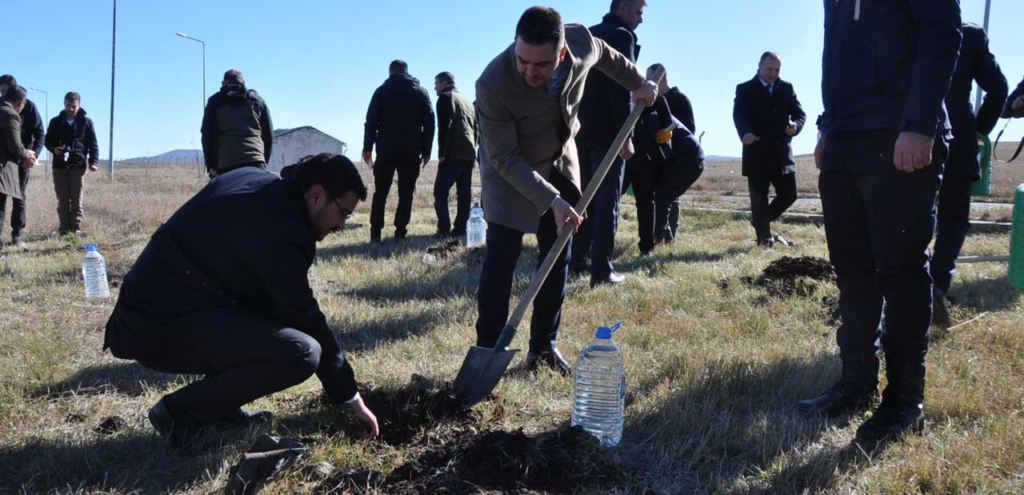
400,123
604,110
976,63
768,115
881,152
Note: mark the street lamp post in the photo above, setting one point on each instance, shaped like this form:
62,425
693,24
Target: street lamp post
49,156
113,65
183,35
977,94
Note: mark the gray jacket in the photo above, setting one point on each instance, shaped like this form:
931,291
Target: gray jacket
527,132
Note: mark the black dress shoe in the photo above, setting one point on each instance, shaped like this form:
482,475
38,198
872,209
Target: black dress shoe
840,399
612,279
180,432
374,237
552,359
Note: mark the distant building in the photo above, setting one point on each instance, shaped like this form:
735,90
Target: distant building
292,144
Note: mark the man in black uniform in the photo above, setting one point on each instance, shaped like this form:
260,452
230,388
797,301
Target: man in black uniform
237,131
221,290
976,63
881,154
400,123
768,115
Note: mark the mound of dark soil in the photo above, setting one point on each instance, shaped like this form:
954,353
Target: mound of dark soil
789,276
406,414
507,462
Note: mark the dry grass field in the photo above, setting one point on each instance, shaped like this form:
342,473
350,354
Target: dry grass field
714,365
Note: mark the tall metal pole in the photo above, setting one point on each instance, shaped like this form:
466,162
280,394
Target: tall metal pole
113,65
49,156
977,94
199,165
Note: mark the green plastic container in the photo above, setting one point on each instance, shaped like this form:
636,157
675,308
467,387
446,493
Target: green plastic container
1017,242
983,187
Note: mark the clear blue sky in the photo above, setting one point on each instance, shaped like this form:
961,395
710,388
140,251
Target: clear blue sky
317,62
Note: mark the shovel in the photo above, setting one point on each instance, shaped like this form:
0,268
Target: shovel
483,367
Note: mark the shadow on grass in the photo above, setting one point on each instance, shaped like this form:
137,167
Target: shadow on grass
125,378
639,263
731,420
389,248
369,335
986,294
457,274
124,463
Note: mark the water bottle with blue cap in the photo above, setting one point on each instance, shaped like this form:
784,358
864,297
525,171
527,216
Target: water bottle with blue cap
601,388
94,271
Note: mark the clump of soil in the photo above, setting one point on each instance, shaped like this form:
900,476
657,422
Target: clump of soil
511,462
789,276
445,249
406,414
111,425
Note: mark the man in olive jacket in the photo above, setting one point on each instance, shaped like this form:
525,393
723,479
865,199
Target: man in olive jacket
456,154
528,98
768,115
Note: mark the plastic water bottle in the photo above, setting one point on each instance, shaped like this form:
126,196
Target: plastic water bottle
94,271
476,231
601,388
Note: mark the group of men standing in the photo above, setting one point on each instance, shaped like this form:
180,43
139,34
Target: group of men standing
70,137
217,294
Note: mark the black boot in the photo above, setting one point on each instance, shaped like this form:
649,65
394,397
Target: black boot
902,408
854,392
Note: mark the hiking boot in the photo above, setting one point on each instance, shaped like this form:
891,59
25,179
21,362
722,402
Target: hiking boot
940,310
767,242
902,408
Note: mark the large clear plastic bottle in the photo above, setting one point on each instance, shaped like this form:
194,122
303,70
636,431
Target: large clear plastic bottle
601,388
94,271
476,230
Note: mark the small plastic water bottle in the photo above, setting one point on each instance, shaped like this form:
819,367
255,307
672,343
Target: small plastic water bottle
94,271
601,388
476,231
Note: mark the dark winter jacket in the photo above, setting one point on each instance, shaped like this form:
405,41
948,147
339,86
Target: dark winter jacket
245,241
12,153
236,129
1008,111
887,64
606,104
976,63
766,114
400,118
682,109
78,140
32,131
456,126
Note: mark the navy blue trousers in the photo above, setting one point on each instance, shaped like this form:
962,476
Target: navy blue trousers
879,221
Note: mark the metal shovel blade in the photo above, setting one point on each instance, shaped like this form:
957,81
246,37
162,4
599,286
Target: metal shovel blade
480,373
